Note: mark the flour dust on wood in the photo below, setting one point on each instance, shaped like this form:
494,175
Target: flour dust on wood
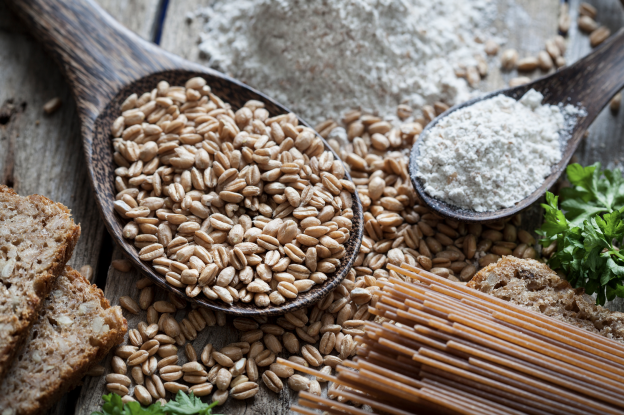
322,57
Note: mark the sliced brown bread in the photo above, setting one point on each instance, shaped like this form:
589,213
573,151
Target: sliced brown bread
77,327
534,285
37,238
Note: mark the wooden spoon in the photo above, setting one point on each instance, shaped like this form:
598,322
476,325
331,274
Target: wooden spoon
590,83
104,63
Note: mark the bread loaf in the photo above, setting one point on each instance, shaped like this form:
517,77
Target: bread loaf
534,285
37,238
76,328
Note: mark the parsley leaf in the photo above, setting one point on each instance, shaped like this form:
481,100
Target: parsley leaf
583,177
591,193
554,220
183,405
578,210
112,405
588,229
188,405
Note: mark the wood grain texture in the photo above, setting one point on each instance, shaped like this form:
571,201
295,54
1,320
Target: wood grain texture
180,34
606,134
139,16
527,24
19,51
38,153
43,154
97,54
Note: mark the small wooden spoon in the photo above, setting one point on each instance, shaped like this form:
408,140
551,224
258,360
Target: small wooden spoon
104,63
590,83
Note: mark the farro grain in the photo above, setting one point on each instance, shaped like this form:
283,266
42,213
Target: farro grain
220,396
146,296
615,103
175,387
202,389
142,395
137,375
244,390
298,383
599,35
118,365
117,388
587,24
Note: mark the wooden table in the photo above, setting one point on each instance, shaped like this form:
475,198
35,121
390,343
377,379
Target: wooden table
42,154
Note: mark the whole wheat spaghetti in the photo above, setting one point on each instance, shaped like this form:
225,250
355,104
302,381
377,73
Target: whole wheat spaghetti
442,348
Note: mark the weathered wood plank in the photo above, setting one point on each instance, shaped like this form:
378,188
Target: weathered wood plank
526,24
52,160
141,17
606,133
43,154
604,143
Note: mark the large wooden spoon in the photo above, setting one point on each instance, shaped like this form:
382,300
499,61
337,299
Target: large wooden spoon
590,83
104,63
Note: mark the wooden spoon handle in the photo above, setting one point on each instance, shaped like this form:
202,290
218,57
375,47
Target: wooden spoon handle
593,80
97,54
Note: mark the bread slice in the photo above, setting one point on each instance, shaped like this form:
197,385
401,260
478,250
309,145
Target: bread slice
37,238
77,327
534,285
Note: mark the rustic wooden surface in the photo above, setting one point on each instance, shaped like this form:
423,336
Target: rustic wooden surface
42,154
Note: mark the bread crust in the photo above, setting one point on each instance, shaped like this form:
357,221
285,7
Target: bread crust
532,284
70,378
45,280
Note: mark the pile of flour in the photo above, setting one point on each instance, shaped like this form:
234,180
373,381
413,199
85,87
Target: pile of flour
494,153
323,57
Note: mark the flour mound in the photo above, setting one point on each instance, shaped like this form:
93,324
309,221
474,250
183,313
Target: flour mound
322,57
494,153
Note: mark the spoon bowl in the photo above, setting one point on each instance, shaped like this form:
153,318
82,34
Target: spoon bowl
589,84
104,63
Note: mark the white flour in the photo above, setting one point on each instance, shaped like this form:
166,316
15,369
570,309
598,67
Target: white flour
494,153
322,57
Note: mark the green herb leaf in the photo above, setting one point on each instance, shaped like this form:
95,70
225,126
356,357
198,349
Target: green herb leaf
578,210
588,230
583,177
614,188
188,405
183,405
112,405
554,220
617,270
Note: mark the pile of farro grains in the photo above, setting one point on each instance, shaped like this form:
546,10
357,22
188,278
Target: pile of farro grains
238,205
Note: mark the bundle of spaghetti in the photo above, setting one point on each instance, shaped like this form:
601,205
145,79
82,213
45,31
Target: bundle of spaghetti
439,347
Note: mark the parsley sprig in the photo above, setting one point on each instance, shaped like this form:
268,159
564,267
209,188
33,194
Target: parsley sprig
589,232
182,405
